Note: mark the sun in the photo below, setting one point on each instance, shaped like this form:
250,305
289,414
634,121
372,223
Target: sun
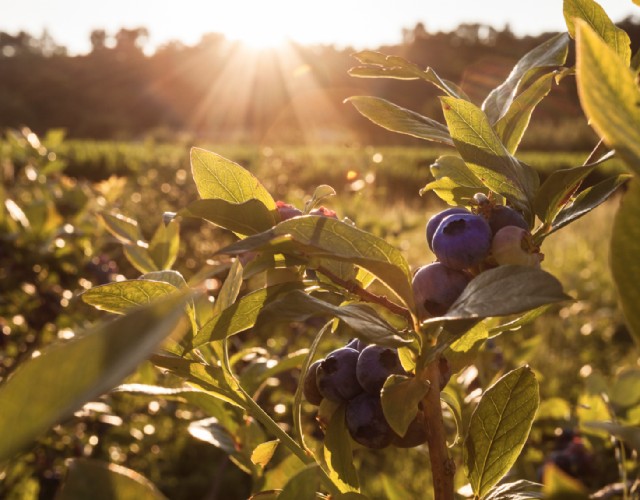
258,33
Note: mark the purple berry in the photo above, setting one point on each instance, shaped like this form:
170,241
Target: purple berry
366,423
462,241
436,287
287,211
310,387
356,344
435,221
336,375
416,433
502,216
513,245
375,364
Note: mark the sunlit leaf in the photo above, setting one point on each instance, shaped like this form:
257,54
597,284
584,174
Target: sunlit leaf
210,431
625,391
400,397
303,485
219,178
499,428
518,490
263,453
454,182
125,229
519,322
139,258
87,478
551,53
624,251
486,156
463,351
338,456
321,193
164,246
249,217
118,297
401,120
591,14
230,288
48,388
609,95
558,485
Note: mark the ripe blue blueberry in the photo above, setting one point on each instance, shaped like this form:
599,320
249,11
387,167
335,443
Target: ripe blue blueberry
436,287
310,387
375,364
287,211
435,221
462,240
366,423
356,344
501,216
336,375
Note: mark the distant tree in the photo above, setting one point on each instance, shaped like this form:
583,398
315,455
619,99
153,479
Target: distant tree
98,40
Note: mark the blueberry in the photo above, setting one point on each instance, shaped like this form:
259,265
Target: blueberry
435,221
310,387
436,287
416,433
375,364
324,212
501,216
356,344
287,211
513,245
462,240
336,375
366,423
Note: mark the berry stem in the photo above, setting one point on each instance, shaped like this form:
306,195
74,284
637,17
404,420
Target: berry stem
356,289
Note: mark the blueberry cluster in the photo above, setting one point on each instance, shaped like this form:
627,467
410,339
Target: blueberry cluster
466,242
354,375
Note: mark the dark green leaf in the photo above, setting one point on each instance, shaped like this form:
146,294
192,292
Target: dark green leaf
164,246
338,456
594,16
302,486
454,183
401,120
249,217
549,54
363,319
45,389
624,251
308,236
400,397
486,156
499,427
219,178
240,316
558,188
609,95
118,297
587,200
87,478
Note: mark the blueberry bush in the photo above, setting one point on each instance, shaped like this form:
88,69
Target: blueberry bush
397,335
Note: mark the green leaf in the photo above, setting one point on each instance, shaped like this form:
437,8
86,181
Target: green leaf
609,95
363,319
46,389
593,15
625,391
587,200
230,288
246,218
513,124
486,156
303,485
170,276
139,258
164,246
124,229
454,182
400,398
557,189
624,250
383,66
87,478
398,119
263,453
321,193
120,296
504,290
627,433
499,428
518,490
549,54
307,236
519,322
238,317
219,178
463,351
338,455
558,485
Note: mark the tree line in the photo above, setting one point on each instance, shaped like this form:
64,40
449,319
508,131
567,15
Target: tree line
219,90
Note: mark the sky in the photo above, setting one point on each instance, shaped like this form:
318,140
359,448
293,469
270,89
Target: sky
345,23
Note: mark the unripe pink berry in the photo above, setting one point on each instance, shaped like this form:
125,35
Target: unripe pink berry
514,245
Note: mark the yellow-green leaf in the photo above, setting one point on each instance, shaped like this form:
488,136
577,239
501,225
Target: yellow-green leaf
263,453
338,455
120,296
